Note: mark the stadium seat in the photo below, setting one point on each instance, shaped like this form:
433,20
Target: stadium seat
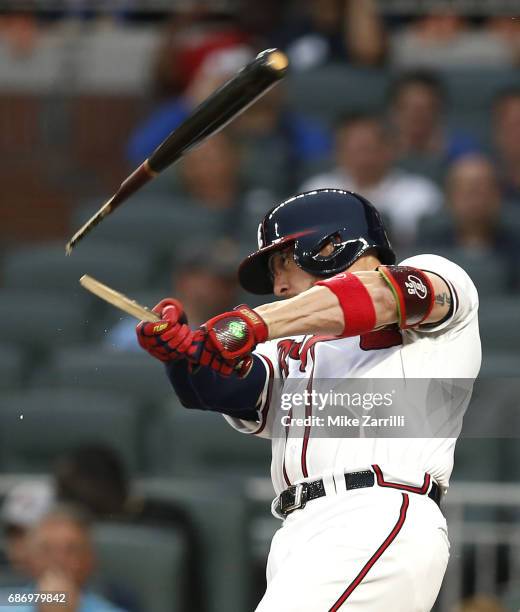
218,510
38,319
199,442
474,88
157,230
98,368
332,91
487,271
42,68
490,431
477,459
39,424
46,267
511,217
432,227
499,320
150,560
11,362
117,59
496,364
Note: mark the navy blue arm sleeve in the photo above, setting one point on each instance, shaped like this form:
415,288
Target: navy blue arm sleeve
207,390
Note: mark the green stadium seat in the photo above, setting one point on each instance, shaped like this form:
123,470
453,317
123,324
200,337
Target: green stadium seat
11,366
199,442
38,319
477,459
156,230
499,320
486,270
511,217
332,91
150,560
491,428
496,364
432,227
218,510
36,426
99,368
475,88
46,266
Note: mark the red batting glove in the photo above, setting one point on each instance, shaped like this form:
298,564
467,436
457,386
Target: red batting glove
234,335
170,338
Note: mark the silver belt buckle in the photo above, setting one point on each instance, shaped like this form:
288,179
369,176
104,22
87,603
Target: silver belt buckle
298,499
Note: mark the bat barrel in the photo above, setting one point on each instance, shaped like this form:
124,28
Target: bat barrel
222,106
208,118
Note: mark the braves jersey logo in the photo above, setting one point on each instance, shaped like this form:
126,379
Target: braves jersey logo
299,351
416,287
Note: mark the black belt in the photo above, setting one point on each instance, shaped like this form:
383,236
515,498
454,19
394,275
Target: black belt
296,496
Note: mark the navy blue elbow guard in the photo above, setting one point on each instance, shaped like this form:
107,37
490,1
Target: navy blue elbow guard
204,389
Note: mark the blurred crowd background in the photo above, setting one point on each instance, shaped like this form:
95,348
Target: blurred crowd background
110,489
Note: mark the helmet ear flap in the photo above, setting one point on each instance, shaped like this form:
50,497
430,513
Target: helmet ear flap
334,240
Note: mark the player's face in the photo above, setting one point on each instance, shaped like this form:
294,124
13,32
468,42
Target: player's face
289,279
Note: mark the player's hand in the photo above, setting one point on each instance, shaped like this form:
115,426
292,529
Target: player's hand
170,338
234,335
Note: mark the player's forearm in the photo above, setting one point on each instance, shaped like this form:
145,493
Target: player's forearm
317,310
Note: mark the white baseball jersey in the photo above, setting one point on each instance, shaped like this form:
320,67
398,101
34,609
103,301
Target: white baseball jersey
448,352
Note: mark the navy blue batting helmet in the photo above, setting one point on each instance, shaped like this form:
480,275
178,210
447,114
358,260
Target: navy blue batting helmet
309,221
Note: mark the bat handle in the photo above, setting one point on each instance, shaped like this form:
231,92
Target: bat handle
135,181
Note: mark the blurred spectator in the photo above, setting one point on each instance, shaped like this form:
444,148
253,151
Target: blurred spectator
278,145
215,69
209,186
193,33
364,161
62,559
204,281
22,509
274,142
19,33
480,603
325,31
93,477
443,39
507,142
421,139
507,29
209,176
475,205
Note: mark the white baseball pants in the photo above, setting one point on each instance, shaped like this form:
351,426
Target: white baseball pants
367,550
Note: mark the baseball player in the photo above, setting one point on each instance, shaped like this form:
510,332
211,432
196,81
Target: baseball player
362,526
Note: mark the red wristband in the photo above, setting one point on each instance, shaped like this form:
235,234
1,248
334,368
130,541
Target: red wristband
355,302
